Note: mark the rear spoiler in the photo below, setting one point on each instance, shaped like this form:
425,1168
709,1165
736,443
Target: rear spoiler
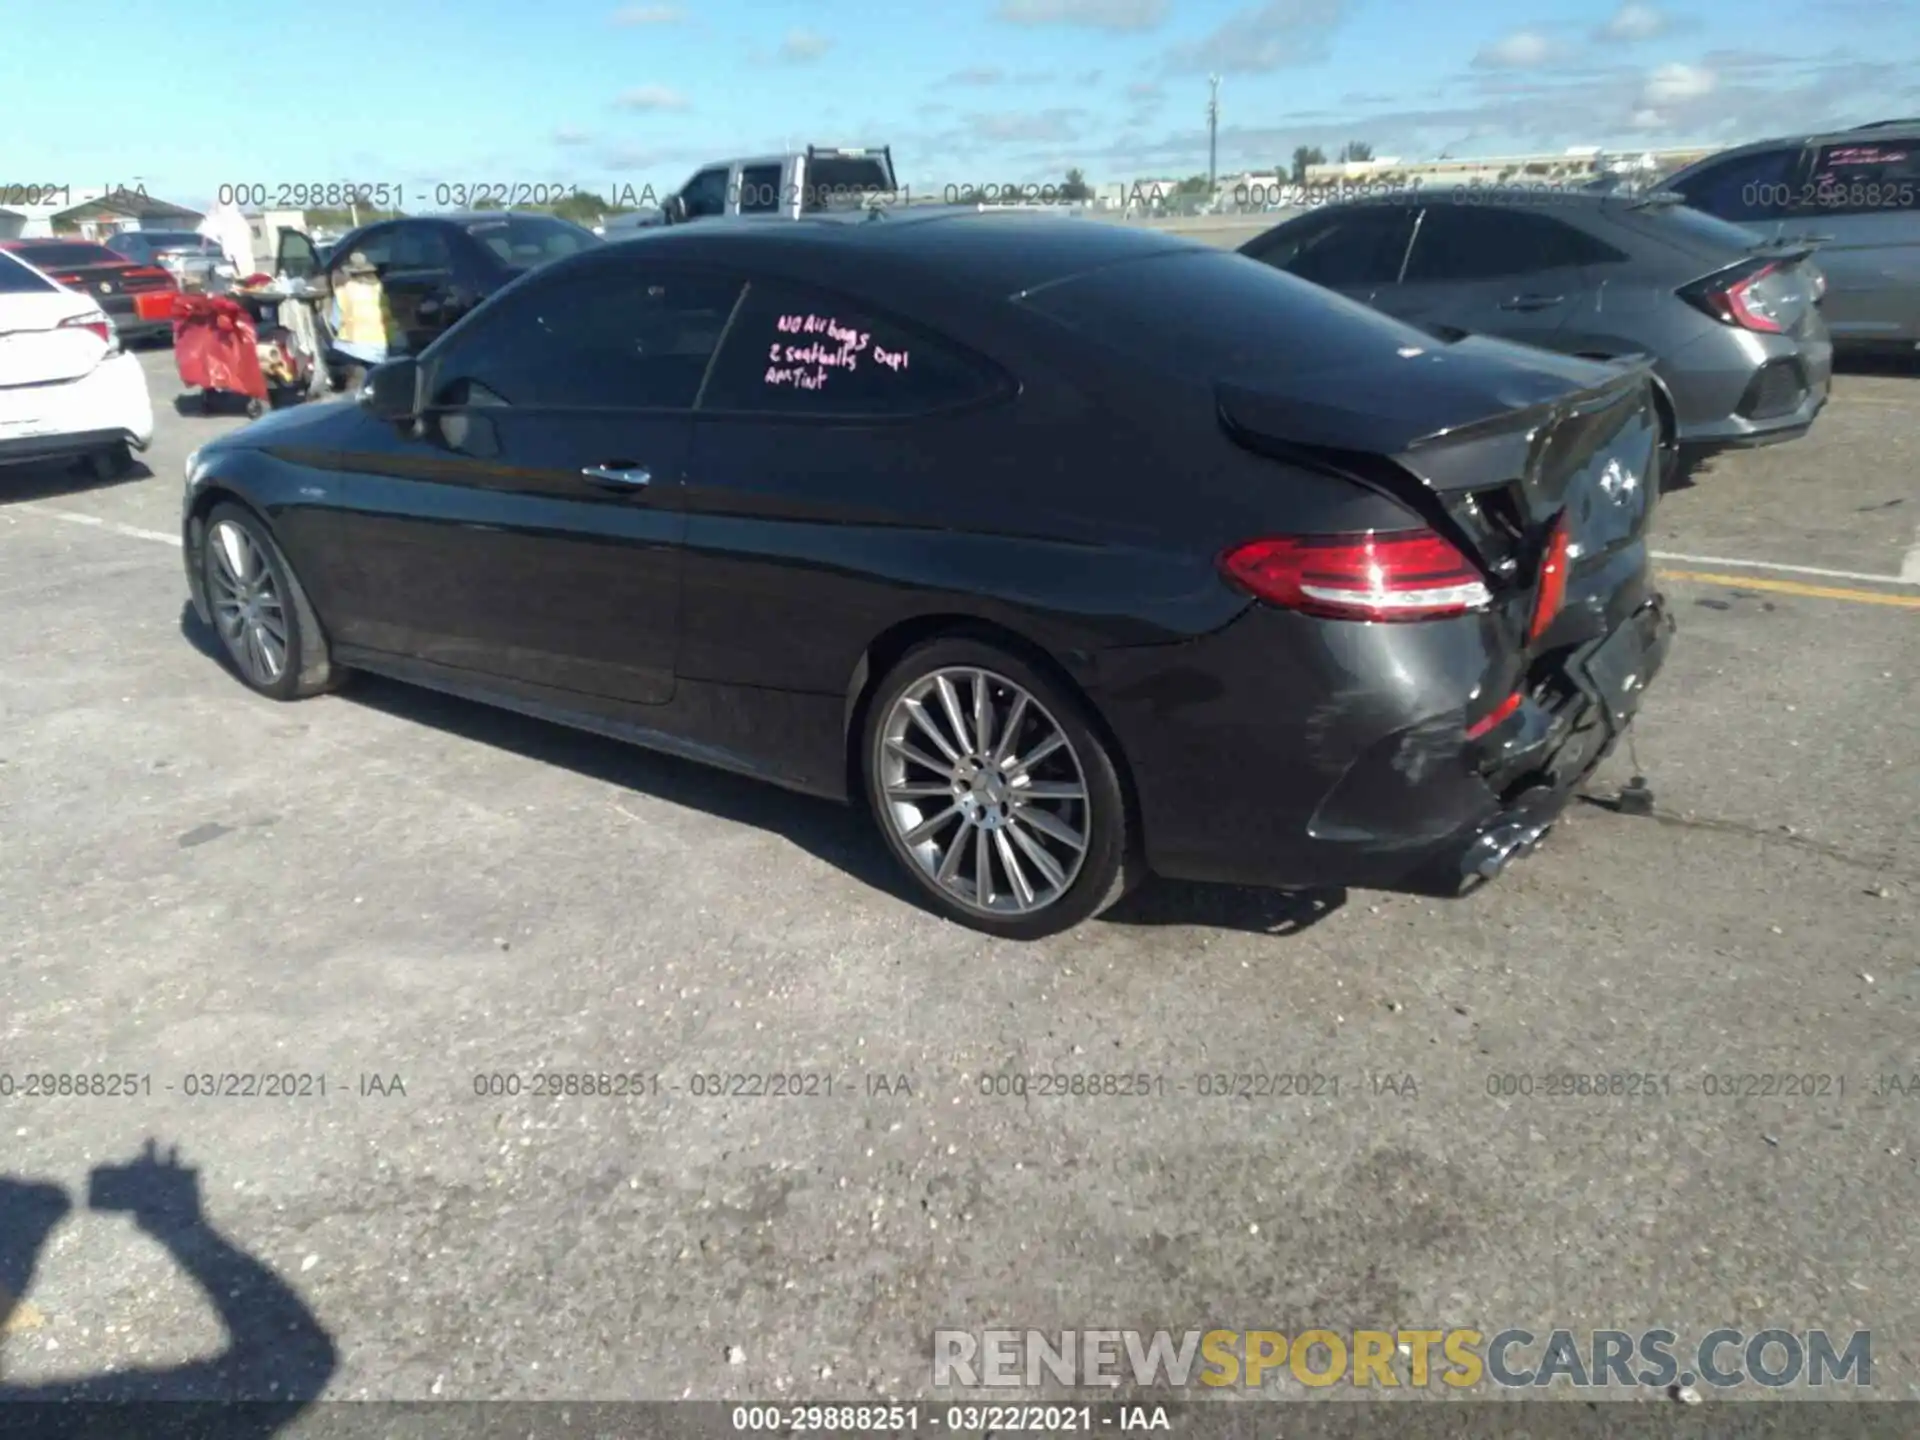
1474,438
1360,428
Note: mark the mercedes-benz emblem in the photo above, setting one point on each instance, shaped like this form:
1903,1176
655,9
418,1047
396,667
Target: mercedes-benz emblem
1618,482
106,287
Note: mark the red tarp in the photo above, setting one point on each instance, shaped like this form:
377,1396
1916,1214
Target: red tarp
214,345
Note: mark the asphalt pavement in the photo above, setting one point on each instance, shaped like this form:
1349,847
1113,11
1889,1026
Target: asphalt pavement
423,905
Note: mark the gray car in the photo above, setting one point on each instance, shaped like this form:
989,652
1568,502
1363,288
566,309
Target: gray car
1857,193
1733,326
193,260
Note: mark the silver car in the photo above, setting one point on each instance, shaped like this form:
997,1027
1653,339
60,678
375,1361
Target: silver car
193,260
1854,192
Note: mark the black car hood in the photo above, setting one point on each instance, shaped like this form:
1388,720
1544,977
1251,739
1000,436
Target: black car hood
1424,391
297,425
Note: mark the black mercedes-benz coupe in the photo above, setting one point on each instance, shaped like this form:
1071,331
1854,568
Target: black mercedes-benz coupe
1076,552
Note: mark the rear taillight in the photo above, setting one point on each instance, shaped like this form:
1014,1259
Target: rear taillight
1380,575
149,272
1731,299
99,324
1553,582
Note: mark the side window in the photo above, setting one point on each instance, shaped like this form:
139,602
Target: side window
1352,249
1864,179
1745,187
611,338
706,193
1471,242
760,190
795,351
375,248
421,247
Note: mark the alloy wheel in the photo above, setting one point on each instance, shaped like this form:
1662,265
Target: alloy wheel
981,785
247,606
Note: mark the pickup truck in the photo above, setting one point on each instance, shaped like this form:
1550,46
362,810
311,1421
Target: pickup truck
791,185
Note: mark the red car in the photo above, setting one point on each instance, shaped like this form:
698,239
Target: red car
137,298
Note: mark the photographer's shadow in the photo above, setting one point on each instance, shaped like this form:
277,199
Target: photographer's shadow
278,1358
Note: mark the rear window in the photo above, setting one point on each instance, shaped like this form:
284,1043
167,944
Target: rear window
1696,229
524,241
176,239
839,178
17,279
57,256
1222,315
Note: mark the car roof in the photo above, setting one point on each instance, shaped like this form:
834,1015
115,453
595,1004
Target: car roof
1899,130
1001,252
33,240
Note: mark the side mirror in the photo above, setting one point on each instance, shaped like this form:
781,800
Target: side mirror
674,210
392,391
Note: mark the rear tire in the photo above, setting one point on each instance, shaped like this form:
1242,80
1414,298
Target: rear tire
255,408
1040,805
265,625
111,463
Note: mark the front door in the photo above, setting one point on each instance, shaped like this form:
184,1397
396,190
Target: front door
1513,273
481,543
529,527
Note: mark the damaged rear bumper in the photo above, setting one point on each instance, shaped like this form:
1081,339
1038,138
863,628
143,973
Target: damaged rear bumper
1316,780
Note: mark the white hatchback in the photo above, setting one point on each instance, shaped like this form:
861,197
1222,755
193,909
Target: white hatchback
67,389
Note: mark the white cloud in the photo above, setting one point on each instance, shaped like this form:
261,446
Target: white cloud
649,15
571,137
653,97
976,75
1040,127
1522,50
801,46
1635,22
1086,14
1677,84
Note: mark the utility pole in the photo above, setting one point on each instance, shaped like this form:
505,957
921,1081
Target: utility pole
1213,134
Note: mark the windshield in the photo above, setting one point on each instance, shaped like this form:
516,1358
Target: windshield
524,241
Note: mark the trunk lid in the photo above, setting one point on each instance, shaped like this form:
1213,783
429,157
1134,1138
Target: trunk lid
36,348
1488,442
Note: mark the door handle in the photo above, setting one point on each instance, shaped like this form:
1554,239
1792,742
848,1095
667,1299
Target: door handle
1531,302
625,477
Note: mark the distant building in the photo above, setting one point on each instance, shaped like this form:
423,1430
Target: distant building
93,214
1575,166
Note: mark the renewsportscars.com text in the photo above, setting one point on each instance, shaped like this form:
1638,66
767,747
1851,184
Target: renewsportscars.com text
1459,1359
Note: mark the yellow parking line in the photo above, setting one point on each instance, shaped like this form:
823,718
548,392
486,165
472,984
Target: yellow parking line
1794,587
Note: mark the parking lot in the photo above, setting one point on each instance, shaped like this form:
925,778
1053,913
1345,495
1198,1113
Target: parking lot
387,884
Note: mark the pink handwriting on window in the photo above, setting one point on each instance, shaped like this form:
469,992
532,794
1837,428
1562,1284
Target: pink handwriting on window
795,377
807,366
825,325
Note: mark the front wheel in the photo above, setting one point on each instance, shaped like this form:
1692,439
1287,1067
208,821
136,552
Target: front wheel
266,626
995,792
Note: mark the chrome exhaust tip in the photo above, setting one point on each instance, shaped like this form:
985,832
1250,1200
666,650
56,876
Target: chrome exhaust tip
1507,840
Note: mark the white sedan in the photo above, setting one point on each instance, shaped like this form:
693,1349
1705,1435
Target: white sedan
67,389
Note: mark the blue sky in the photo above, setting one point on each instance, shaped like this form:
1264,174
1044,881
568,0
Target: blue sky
593,93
